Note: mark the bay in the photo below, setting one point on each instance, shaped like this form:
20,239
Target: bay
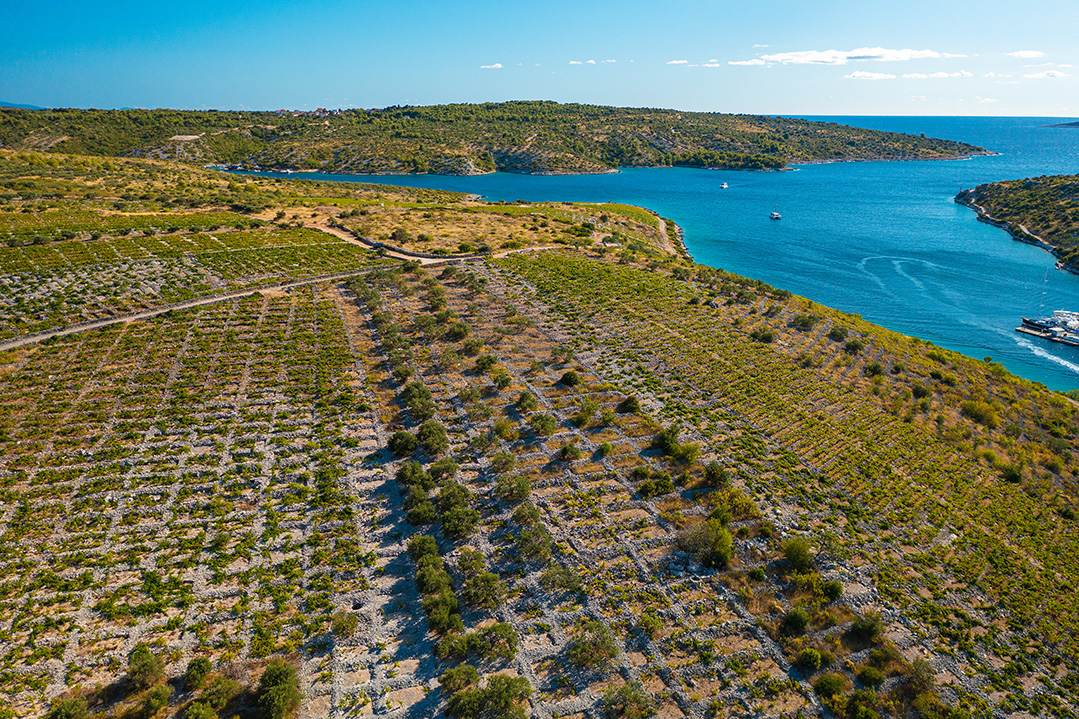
880,239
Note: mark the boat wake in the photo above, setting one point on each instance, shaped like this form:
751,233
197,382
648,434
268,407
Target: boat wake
1040,352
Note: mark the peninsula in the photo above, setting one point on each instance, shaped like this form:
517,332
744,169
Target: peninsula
523,137
1043,211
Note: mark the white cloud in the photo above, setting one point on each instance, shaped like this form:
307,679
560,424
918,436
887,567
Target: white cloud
988,99
1046,73
713,60
678,62
610,61
755,61
935,75
589,62
496,66
1026,54
762,46
950,54
863,75
842,57
712,64
575,62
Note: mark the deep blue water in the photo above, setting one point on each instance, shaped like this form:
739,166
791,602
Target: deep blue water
882,239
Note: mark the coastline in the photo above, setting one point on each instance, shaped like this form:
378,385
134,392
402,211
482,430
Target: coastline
790,166
1017,232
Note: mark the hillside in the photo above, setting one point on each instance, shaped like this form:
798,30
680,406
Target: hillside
1046,207
527,137
564,471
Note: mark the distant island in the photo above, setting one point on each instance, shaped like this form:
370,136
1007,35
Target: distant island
530,137
1065,124
1039,210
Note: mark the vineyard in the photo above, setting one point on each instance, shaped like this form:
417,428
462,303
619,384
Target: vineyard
591,480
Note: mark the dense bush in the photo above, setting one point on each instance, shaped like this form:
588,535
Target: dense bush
75,708
402,443
794,623
144,668
432,437
797,551
629,701
708,541
195,674
594,646
279,690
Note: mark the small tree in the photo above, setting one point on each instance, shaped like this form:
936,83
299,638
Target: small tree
432,436
796,550
75,708
195,674
144,668
279,690
570,379
794,622
402,443
594,647
629,701
484,590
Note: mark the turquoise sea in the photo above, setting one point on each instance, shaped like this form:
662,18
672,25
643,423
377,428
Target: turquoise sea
882,239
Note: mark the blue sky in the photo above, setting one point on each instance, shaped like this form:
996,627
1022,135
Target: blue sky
782,57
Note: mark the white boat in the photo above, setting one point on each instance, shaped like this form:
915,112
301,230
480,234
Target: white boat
723,186
775,213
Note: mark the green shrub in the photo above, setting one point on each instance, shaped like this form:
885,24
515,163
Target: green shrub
630,405
443,469
512,488
432,436
156,699
594,646
219,692
411,473
344,623
650,624
629,701
829,685
458,331
279,690
195,674
715,475
757,574
543,425
708,541
422,545
457,678
144,668
809,659
871,677
838,333
868,627
527,402
75,708
199,710
570,379
484,590
796,550
402,443
794,623
832,590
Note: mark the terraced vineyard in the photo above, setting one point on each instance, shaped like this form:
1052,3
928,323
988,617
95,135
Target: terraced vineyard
596,481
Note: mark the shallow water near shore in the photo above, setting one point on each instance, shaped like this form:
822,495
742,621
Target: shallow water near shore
881,239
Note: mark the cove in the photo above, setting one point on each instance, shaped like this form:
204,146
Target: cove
880,239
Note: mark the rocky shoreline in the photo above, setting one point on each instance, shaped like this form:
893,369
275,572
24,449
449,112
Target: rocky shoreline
1017,232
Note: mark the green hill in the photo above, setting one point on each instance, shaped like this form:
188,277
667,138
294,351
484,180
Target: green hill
526,137
1045,208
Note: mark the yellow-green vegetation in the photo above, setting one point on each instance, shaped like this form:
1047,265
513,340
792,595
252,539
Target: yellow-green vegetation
1045,207
530,137
594,478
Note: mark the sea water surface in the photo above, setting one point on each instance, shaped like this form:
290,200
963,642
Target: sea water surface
881,239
